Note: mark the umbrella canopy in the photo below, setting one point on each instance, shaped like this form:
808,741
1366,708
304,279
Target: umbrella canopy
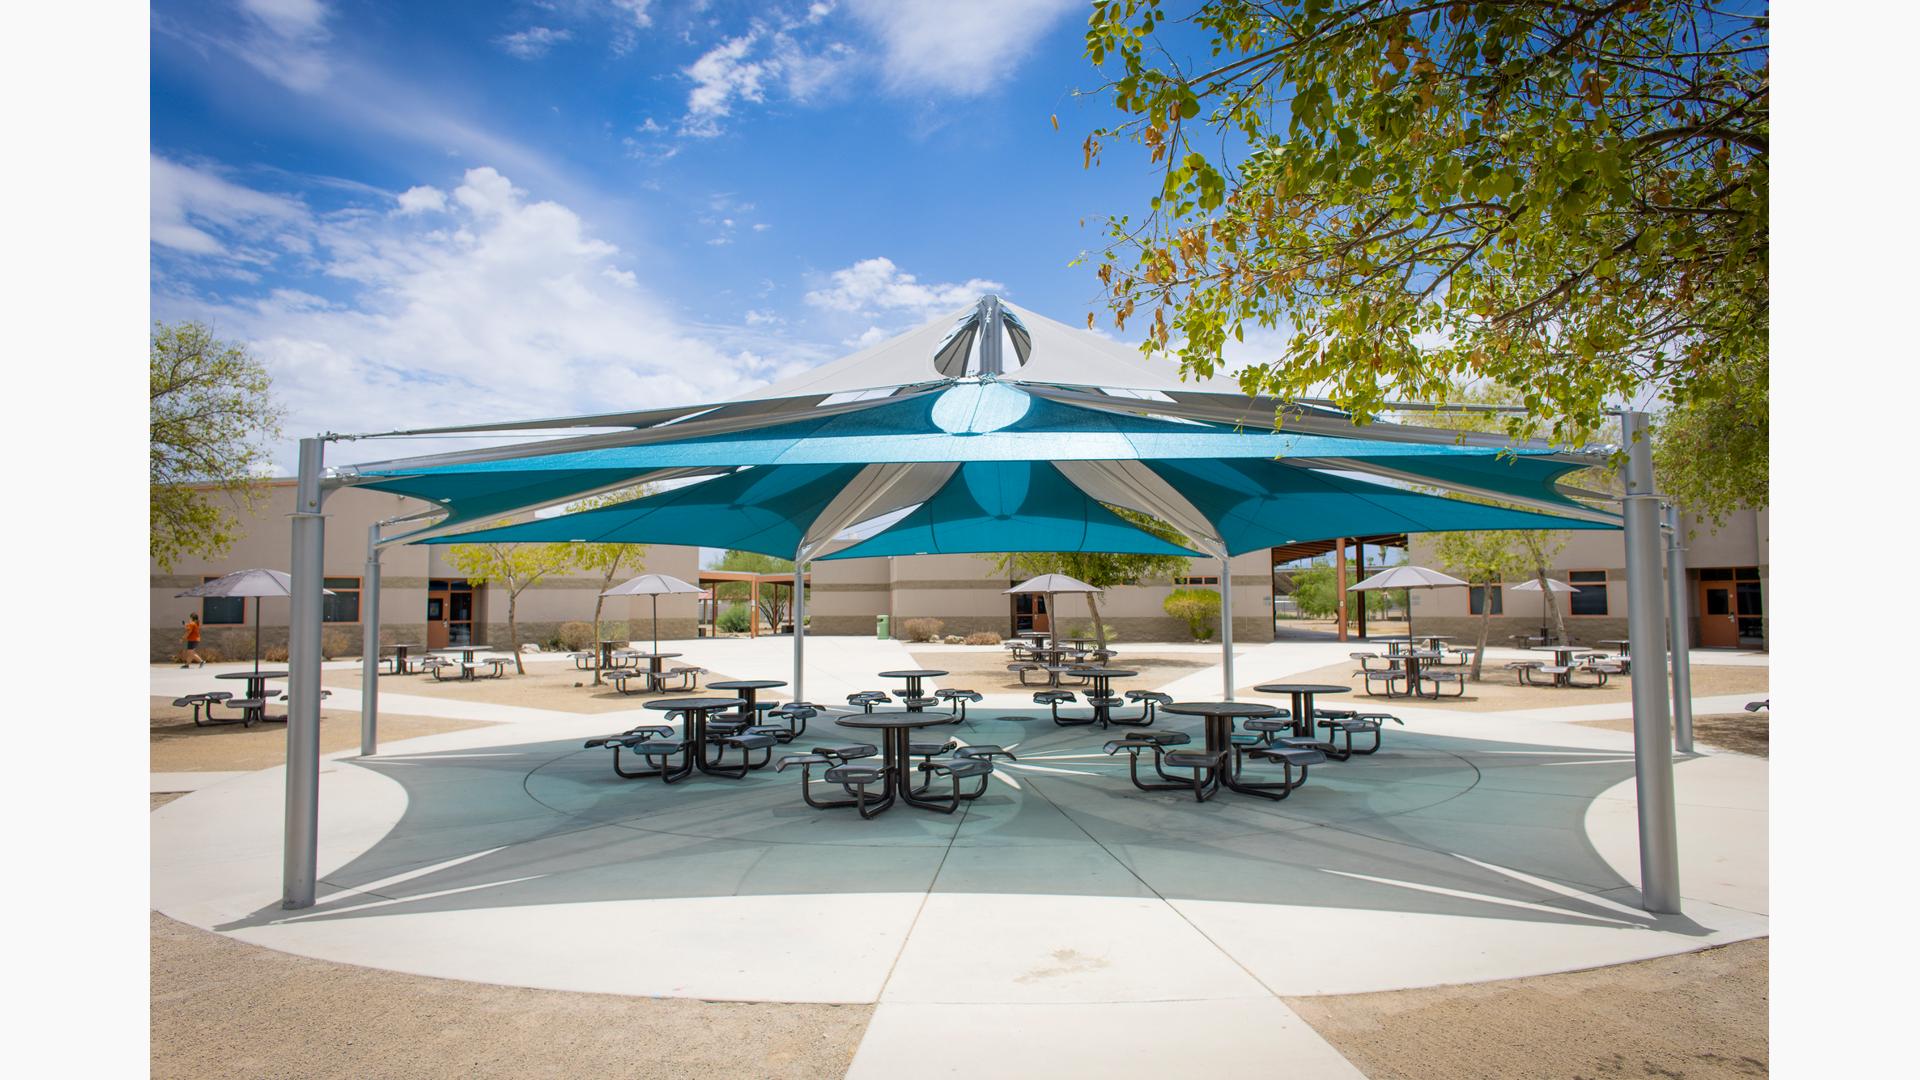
654,586
1050,584
1533,585
254,583
1407,577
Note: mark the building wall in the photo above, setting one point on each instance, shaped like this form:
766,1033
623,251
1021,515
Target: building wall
1741,541
967,595
405,571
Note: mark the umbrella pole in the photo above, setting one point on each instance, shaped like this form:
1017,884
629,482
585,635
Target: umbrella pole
656,622
1226,625
256,634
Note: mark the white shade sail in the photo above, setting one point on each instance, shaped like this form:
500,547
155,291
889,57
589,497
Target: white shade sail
1533,585
651,585
1405,577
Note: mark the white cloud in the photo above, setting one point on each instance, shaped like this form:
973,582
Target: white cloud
872,335
533,42
506,306
285,40
956,48
189,206
871,287
744,68
421,199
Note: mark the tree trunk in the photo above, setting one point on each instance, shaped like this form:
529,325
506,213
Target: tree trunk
1099,628
1486,623
513,631
1553,603
594,645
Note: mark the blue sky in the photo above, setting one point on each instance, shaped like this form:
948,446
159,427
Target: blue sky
439,213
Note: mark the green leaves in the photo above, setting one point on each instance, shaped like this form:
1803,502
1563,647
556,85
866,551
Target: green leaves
212,421
1564,199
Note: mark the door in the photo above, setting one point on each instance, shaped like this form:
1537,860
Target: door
1718,627
1029,612
437,616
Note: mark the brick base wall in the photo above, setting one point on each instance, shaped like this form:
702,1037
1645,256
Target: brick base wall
1142,628
1465,631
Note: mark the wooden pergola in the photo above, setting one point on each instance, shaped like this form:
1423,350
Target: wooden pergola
773,582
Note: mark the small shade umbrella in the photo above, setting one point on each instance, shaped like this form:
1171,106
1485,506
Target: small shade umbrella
1533,585
655,586
1050,584
244,583
1406,577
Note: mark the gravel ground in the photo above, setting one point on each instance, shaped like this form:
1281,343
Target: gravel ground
1745,733
1698,1016
175,745
225,1008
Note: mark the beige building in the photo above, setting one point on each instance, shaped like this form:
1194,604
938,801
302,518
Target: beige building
1727,583
422,598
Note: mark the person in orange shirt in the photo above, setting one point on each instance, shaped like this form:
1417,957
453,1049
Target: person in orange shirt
192,655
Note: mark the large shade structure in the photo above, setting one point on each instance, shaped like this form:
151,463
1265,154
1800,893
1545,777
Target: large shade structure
950,437
1407,577
652,586
243,583
1048,585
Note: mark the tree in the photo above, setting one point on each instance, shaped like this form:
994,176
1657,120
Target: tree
1483,560
515,568
607,560
1569,198
213,421
1198,608
1102,570
773,608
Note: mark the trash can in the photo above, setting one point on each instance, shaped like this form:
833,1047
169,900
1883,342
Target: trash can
880,629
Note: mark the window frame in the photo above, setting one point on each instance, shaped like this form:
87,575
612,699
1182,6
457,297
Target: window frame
326,602
1476,599
1580,590
207,620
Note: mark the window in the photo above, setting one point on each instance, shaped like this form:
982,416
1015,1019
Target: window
222,610
1589,592
1184,581
344,604
1477,598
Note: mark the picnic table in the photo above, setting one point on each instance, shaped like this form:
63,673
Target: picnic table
895,726
1102,690
1621,646
914,690
254,708
748,689
399,657
697,710
467,653
1411,660
1219,717
1302,695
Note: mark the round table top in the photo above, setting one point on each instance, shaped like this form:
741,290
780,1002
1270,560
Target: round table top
1104,672
1219,708
1418,654
894,718
1301,688
251,675
915,674
1616,641
402,645
657,656
746,684
1557,648
462,648
696,704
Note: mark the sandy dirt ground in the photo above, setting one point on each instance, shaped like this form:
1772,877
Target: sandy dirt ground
1497,691
224,1008
561,687
1698,1016
1742,732
175,745
985,669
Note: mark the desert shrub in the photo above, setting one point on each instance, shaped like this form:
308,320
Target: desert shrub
983,637
734,619
1087,630
274,654
920,629
953,639
1199,607
210,654
573,636
335,643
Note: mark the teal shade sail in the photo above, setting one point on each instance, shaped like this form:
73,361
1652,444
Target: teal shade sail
1259,504
763,510
1009,506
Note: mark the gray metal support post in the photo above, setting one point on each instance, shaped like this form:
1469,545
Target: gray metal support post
991,335
1646,634
1679,633
800,626
370,647
1226,624
302,851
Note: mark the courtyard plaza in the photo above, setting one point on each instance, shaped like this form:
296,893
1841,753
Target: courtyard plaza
1479,844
